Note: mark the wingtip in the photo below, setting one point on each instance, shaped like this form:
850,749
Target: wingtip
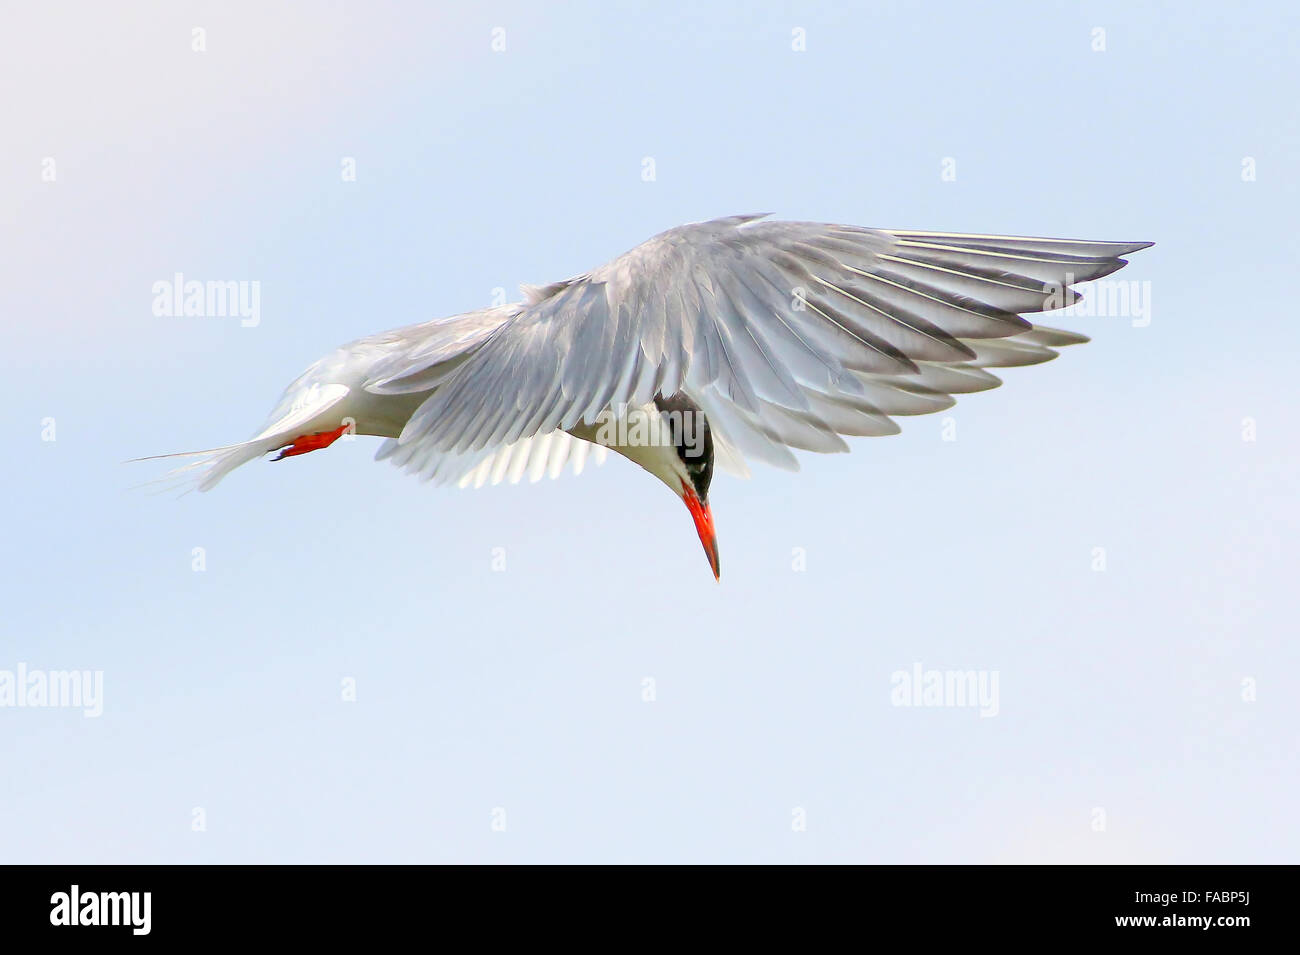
1131,247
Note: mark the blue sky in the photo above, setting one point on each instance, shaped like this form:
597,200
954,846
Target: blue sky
1147,712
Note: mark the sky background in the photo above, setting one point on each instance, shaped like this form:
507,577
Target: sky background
1127,728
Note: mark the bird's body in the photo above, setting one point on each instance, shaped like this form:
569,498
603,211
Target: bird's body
733,339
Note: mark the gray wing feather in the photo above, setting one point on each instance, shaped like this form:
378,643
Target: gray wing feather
545,455
787,334
417,358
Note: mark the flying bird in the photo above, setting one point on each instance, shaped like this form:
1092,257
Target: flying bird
728,341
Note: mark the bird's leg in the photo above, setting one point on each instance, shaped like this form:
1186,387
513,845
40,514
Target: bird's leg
310,442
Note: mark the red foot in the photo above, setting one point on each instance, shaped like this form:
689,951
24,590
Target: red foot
311,442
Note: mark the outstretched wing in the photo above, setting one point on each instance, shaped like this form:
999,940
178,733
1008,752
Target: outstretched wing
787,334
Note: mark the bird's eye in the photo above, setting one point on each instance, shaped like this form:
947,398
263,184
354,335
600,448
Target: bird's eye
700,472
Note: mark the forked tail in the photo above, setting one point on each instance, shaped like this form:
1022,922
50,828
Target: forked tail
210,465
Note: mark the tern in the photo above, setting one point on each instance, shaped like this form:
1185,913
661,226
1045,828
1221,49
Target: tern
734,340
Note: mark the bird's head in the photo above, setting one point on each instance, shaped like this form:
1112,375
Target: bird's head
669,438
689,469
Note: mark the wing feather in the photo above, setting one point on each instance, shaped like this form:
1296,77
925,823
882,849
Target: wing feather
787,334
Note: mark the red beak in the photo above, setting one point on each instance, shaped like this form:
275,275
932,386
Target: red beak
703,518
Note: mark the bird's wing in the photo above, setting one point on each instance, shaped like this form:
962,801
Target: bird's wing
769,434
542,455
416,358
787,334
